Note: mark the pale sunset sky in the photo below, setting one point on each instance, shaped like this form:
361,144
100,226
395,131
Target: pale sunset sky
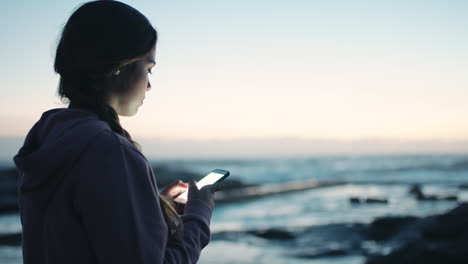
254,69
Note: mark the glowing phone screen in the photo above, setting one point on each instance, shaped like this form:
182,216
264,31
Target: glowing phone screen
211,178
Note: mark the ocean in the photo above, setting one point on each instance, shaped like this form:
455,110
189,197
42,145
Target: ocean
387,177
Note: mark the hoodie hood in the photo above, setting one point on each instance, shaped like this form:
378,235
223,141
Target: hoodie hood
52,147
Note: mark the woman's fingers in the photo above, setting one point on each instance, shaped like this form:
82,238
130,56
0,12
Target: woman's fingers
192,187
182,184
178,189
192,182
174,189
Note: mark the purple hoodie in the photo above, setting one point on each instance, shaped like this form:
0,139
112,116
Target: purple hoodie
87,195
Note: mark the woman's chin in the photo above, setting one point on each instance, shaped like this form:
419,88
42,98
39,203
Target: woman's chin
130,112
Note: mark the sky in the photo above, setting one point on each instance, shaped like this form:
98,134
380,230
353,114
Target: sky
254,70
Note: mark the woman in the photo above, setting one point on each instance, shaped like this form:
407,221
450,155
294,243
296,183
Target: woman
86,192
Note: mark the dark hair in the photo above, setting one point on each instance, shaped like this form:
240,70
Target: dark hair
99,38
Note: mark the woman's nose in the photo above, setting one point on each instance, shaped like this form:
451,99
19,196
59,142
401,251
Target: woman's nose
149,86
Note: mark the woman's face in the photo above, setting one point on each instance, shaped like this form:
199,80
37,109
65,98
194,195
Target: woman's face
127,104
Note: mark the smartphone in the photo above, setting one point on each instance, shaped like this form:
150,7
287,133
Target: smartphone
213,177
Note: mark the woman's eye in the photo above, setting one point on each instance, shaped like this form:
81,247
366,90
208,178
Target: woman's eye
149,71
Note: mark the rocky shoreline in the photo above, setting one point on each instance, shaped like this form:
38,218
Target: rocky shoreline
406,239
403,239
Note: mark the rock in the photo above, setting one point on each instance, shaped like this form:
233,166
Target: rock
385,227
391,239
419,253
8,208
327,241
275,234
376,200
8,191
368,200
416,191
438,198
321,252
449,226
450,198
304,242
11,239
442,239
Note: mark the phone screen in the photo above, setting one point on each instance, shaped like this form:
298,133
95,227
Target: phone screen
211,178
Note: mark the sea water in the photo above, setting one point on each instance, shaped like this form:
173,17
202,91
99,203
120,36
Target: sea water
386,177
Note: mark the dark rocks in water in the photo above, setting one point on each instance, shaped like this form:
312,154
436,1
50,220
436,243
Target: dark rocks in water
8,207
390,239
321,252
450,226
416,191
450,198
416,253
8,181
273,233
8,190
11,239
328,241
438,198
463,186
376,200
368,200
305,242
442,239
228,235
383,228
9,173
355,200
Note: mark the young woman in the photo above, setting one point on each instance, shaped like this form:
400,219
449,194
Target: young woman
86,192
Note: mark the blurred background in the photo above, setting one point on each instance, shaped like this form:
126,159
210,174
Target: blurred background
345,117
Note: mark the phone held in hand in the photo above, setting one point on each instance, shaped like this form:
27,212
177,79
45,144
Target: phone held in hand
215,176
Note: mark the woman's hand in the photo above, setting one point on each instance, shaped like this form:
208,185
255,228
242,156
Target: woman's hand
206,193
173,190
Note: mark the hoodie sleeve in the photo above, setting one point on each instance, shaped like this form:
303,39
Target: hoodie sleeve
117,201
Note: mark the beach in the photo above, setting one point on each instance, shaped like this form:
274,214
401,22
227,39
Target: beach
336,216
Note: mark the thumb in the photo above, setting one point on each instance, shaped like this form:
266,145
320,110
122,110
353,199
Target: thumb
193,184
193,189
